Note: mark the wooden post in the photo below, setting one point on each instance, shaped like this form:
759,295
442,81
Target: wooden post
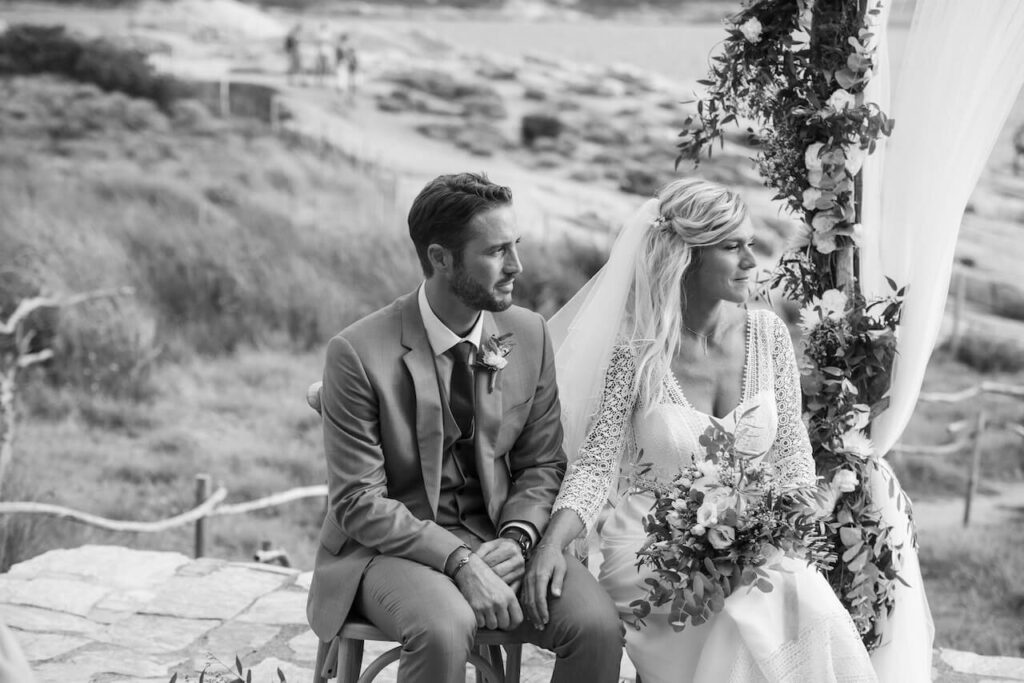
225,97
7,417
974,471
202,491
960,298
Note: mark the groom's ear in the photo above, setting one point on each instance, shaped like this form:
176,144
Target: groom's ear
441,258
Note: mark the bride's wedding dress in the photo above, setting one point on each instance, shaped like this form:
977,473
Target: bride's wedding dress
797,633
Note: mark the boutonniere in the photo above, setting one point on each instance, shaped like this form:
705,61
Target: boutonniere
492,356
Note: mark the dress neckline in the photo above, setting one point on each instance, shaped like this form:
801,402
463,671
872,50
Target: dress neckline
677,389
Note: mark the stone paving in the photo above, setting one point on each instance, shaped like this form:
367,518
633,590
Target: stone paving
106,614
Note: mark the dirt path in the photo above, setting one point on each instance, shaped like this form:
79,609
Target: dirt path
1005,506
544,202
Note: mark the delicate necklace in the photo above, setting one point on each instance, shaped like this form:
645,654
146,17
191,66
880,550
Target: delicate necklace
702,338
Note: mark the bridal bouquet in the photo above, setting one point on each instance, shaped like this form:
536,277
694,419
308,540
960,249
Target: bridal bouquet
716,527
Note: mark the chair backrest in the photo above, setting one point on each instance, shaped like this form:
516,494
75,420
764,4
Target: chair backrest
314,396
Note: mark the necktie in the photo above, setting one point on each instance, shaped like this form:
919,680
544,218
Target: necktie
460,394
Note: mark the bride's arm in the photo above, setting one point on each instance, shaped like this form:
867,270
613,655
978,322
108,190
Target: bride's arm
585,488
791,452
593,473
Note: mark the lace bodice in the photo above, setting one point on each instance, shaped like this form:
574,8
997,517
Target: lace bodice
770,408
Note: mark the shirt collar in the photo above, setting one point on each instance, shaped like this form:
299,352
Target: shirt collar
441,338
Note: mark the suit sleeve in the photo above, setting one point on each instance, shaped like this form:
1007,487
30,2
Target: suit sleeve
358,500
537,461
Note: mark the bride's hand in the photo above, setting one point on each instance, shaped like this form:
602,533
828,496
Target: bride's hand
546,571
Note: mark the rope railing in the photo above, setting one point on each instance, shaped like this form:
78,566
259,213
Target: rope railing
967,432
206,507
199,512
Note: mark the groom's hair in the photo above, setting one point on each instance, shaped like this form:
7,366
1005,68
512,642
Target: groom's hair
442,211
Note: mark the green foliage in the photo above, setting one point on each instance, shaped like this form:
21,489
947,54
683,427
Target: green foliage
27,49
796,76
554,271
716,528
797,69
239,675
228,235
988,355
1009,303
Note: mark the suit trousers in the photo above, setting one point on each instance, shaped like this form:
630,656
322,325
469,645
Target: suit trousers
423,610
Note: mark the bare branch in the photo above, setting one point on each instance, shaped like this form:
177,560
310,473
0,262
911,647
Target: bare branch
33,358
28,306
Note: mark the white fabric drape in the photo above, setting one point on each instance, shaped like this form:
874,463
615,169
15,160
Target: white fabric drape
960,76
961,73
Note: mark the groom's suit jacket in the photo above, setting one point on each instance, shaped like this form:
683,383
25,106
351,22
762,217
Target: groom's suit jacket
383,439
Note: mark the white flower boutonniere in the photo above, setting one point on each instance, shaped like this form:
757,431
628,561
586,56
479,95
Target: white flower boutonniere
492,356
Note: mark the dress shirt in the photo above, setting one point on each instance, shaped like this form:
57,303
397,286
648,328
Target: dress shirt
441,338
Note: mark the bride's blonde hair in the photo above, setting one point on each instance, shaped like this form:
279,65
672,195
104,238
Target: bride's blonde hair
692,213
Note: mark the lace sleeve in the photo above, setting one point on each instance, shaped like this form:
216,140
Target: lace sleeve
791,452
594,472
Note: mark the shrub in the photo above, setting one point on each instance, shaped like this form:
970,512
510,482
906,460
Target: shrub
1009,303
106,347
987,355
554,271
31,49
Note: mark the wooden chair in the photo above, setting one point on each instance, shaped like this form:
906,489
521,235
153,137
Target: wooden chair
343,656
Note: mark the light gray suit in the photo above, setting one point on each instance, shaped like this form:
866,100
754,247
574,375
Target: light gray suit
380,547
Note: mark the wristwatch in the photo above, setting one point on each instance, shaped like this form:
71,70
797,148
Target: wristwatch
521,538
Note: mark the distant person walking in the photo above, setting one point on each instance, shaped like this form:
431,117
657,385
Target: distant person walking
346,64
291,49
324,54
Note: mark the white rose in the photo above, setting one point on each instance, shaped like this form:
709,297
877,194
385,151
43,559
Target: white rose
854,159
707,513
841,100
833,304
811,159
844,481
815,177
824,242
721,537
751,29
708,476
824,221
494,360
811,197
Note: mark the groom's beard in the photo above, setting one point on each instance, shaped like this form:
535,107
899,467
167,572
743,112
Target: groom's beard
474,295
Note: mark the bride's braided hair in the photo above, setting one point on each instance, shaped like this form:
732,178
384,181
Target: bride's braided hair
692,213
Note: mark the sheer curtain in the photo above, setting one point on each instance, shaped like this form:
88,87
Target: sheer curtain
962,71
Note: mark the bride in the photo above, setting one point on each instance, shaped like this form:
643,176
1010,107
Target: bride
655,347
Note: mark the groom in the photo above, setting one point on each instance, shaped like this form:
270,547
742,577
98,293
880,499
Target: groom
443,442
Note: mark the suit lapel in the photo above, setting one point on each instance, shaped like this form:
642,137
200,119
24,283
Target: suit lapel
488,406
419,359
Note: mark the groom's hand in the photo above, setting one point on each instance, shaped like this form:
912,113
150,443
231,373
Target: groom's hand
546,572
493,602
505,558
